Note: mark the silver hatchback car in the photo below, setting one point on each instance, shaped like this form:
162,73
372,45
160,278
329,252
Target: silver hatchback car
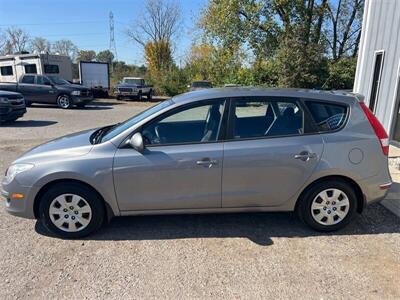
321,154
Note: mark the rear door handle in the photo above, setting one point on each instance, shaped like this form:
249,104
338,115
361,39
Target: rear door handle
207,162
305,155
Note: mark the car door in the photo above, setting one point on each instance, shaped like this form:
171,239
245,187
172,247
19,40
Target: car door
44,90
181,165
26,87
269,154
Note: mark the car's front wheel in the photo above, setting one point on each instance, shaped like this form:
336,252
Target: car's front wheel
71,210
328,205
64,102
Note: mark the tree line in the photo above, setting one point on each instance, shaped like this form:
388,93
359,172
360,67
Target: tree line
274,43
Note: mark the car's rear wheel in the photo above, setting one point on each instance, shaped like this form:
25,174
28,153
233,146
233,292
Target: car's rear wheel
64,102
328,205
71,210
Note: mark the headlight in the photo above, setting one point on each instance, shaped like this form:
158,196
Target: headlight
13,170
4,100
75,93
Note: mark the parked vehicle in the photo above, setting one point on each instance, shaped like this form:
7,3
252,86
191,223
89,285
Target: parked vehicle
12,67
12,106
50,89
95,76
321,154
199,85
133,87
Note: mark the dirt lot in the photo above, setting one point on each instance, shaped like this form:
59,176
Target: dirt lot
193,256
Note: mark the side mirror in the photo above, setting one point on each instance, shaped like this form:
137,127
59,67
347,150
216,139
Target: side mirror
136,142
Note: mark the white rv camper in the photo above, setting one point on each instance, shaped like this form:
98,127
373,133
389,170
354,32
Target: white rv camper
13,66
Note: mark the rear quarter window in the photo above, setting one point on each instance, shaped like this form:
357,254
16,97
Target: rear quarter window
327,116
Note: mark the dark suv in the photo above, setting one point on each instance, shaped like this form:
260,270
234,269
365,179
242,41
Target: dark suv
12,106
51,90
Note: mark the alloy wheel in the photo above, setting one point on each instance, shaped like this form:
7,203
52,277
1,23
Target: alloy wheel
63,102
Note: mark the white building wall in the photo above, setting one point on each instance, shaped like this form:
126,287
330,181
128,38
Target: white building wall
381,31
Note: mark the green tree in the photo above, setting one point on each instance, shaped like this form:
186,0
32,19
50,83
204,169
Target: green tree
86,55
105,56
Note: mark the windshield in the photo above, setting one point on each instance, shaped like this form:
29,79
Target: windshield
134,81
201,84
114,131
58,80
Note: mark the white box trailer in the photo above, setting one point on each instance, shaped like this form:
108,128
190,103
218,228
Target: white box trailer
12,67
96,76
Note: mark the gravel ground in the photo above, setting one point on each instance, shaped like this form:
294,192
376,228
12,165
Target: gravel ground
192,256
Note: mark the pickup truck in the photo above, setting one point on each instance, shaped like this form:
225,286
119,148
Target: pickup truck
12,106
50,90
133,87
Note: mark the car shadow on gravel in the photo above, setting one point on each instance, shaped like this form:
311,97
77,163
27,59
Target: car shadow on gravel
28,123
260,228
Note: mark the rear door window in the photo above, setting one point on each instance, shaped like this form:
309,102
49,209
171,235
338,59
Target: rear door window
327,116
28,79
265,117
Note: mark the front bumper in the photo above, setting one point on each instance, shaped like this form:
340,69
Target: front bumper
19,207
82,99
11,112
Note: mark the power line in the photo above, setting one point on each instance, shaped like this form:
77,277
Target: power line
52,23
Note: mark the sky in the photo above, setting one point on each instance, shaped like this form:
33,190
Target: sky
86,23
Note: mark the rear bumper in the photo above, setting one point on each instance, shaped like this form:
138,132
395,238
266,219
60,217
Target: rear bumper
375,189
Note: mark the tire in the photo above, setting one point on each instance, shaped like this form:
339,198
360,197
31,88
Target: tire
119,97
65,200
150,95
64,101
328,205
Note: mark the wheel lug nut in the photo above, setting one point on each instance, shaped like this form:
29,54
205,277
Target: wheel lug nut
327,202
333,203
334,208
65,210
73,218
76,212
329,212
66,216
324,207
71,207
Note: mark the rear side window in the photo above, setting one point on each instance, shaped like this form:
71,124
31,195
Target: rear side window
327,116
28,79
30,69
6,71
264,117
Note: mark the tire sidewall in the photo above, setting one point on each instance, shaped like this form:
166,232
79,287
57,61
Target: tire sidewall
304,208
92,199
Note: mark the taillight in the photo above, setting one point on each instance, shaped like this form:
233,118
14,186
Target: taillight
378,128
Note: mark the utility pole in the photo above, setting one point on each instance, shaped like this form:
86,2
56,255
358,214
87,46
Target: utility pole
113,47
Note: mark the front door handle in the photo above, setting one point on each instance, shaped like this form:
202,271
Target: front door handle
207,162
305,155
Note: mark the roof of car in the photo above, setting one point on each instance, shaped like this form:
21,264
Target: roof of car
342,96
